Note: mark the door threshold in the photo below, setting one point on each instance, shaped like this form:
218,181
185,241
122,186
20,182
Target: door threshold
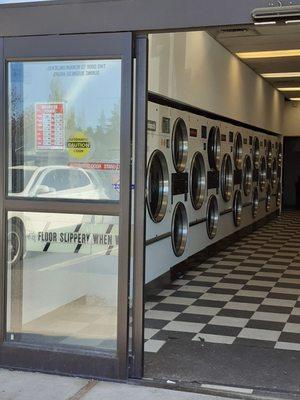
231,392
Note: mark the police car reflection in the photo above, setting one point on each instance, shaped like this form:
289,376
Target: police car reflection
59,233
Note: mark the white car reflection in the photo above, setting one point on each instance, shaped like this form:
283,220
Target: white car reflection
57,182
60,182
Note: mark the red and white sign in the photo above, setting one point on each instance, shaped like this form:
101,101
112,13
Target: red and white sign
49,126
102,166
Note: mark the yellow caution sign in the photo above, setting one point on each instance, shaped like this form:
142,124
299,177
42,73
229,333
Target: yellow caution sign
78,145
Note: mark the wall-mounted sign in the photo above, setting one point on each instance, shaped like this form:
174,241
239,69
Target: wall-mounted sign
49,126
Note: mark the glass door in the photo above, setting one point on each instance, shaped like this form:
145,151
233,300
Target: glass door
66,203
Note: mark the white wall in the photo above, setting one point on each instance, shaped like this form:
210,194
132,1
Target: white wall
291,123
194,68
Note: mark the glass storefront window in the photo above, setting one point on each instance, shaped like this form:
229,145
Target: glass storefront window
64,129
62,280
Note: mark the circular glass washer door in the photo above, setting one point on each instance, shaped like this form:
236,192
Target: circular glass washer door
237,208
197,181
255,151
274,171
247,175
179,145
157,186
238,151
227,178
255,202
262,174
212,217
179,229
214,148
268,199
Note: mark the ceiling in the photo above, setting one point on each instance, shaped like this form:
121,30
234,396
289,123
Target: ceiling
254,38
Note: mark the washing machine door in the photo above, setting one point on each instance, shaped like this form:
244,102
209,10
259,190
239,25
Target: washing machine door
179,145
227,178
238,151
179,231
247,175
237,208
214,148
197,181
255,202
255,152
262,174
157,186
268,199
212,217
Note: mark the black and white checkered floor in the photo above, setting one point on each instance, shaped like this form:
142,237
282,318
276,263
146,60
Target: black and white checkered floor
248,294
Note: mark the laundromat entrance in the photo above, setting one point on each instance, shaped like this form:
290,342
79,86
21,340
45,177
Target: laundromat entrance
222,256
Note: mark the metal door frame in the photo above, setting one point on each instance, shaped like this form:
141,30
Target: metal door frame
79,362
139,238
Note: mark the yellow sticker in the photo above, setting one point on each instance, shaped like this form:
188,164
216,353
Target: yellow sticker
78,145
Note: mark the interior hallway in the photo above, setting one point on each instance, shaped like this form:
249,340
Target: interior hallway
235,318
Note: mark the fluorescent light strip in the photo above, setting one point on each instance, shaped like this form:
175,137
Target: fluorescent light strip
274,75
268,54
289,89
293,21
265,23
295,98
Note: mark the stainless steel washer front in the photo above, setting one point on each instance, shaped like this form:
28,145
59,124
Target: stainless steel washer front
255,152
197,181
268,199
247,175
212,217
179,145
269,153
237,208
157,186
274,173
214,148
179,231
238,151
278,195
227,178
255,202
262,174
279,155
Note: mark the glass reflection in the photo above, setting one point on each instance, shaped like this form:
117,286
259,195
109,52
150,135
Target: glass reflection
64,129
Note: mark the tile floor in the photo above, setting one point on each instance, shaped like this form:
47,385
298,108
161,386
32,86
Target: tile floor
248,294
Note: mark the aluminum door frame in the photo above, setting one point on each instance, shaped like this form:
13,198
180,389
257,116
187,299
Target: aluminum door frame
79,362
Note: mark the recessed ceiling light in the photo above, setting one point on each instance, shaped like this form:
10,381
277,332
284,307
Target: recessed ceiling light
274,75
295,98
268,54
289,89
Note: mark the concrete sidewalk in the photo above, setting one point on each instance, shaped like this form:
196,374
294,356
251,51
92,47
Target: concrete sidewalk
15,385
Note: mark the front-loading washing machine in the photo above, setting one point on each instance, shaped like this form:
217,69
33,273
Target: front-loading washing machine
167,179
255,140
197,166
214,165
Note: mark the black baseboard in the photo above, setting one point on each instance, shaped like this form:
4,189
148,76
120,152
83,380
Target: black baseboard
181,268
